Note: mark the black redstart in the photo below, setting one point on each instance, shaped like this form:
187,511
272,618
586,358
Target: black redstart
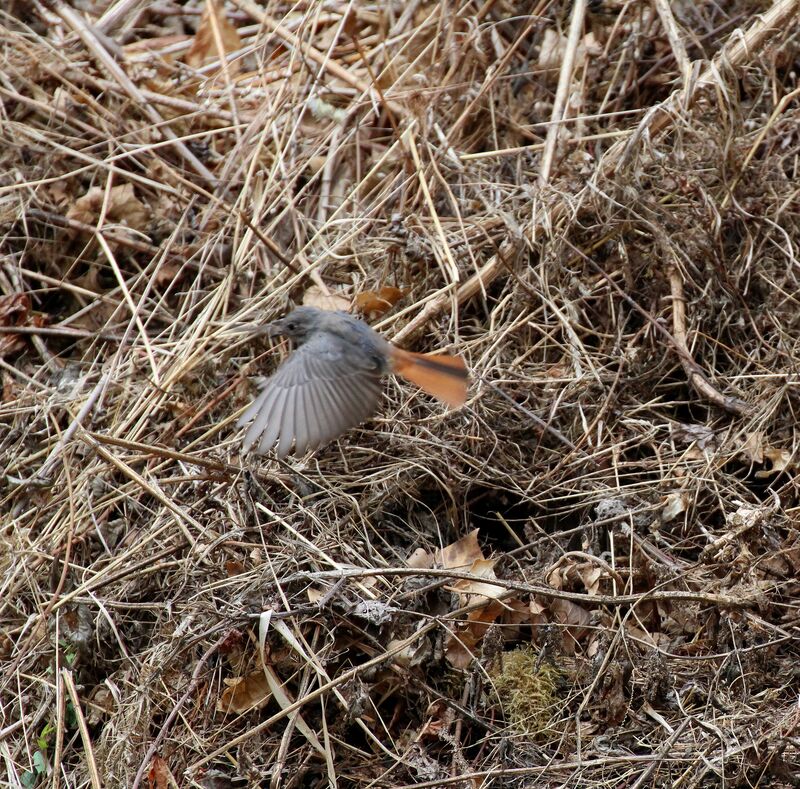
332,381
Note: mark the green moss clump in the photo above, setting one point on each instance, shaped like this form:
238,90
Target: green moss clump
527,688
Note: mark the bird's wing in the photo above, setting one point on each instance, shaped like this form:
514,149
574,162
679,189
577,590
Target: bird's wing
314,396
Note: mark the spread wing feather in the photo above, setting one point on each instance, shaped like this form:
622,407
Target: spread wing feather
272,423
302,431
314,396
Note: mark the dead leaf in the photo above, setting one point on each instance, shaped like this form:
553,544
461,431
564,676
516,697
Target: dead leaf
315,164
14,307
375,612
466,554
791,554
644,637
568,613
440,719
124,208
158,776
214,33
374,304
592,46
776,565
461,553
14,311
232,645
460,649
517,611
469,589
103,705
155,44
745,517
538,612
411,655
575,619
612,702
675,504
703,436
590,575
168,274
781,460
315,595
752,446
420,559
694,453
573,575
516,614
755,449
551,51
554,46
557,371
233,567
315,297
244,694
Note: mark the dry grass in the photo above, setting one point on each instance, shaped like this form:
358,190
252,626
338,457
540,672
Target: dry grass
622,281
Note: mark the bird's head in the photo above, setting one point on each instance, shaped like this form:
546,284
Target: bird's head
298,325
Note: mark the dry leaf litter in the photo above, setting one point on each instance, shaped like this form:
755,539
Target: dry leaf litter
588,576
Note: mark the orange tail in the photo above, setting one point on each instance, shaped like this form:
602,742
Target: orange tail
445,377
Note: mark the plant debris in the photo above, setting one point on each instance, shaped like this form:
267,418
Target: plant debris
586,576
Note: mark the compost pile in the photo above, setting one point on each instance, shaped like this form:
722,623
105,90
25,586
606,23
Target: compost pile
587,576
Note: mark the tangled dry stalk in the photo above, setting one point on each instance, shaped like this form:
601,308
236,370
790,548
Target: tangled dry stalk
597,204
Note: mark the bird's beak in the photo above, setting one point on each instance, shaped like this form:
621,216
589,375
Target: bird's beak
253,329
274,329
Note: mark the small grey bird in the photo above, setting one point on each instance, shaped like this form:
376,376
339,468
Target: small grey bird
332,381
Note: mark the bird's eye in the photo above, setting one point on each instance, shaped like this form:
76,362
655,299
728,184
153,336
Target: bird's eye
291,326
